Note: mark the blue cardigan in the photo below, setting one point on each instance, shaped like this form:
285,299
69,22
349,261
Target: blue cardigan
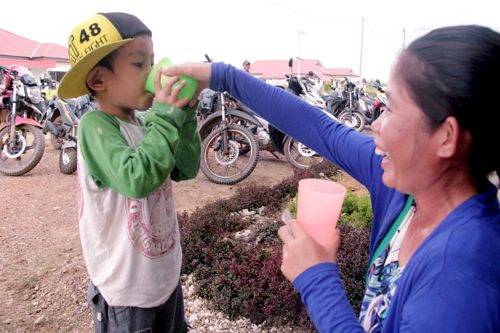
452,281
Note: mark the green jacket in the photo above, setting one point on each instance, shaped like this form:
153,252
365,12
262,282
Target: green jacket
170,147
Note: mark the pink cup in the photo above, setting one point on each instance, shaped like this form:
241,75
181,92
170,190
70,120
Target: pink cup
319,205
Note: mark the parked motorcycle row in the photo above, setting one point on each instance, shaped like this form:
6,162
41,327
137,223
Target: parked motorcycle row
351,106
26,115
232,134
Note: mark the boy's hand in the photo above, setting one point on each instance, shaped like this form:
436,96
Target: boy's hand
167,94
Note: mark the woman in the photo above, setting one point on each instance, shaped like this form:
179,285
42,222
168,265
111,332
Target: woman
435,239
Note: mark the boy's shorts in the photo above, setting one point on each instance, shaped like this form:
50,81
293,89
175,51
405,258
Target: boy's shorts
167,317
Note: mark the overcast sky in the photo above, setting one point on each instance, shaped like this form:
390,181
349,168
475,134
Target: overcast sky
235,30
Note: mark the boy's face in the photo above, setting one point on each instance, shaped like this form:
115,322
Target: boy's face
125,85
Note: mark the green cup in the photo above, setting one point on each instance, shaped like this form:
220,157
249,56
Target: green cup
188,90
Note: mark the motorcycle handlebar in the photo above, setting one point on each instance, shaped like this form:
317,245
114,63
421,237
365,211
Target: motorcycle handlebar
12,72
7,70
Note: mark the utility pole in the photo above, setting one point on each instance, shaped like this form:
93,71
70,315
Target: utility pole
303,33
404,38
361,49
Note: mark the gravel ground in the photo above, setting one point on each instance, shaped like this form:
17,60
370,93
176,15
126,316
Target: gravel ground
204,320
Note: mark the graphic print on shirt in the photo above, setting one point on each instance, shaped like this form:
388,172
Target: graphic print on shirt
152,223
383,278
379,293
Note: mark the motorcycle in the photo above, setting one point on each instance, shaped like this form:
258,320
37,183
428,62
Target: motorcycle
371,108
56,107
22,142
63,117
345,106
217,111
48,87
303,88
229,151
380,101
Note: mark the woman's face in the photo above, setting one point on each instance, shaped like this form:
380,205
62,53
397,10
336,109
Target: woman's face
405,140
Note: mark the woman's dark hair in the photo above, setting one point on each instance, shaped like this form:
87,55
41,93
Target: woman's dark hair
451,71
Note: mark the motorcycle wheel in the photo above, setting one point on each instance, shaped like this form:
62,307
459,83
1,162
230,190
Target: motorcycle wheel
354,121
246,148
56,142
27,152
229,167
67,160
299,155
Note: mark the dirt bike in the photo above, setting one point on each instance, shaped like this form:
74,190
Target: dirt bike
216,110
229,151
53,116
345,106
268,137
22,142
62,119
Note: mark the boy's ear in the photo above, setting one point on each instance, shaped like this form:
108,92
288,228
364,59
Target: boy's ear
94,79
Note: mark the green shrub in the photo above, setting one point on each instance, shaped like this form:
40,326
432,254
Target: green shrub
352,260
357,210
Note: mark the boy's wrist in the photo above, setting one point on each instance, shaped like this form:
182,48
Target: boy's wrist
170,113
190,112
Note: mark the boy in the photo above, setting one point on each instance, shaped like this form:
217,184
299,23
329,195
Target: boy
128,224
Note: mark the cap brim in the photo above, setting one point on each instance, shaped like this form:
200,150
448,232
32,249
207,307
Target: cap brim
73,83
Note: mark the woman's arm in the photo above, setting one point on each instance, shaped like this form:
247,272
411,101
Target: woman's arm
323,294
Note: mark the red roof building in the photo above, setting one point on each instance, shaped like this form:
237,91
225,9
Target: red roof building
38,57
276,69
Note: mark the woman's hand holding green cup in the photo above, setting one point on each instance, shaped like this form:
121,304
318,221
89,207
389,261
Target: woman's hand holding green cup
189,89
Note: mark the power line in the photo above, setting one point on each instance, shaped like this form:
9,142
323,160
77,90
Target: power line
391,43
307,14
